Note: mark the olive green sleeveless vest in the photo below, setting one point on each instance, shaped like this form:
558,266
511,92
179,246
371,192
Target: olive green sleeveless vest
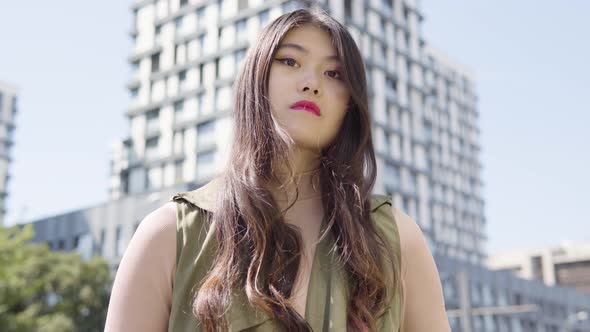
327,290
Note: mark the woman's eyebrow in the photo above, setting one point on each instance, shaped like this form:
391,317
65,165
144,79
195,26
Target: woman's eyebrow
304,50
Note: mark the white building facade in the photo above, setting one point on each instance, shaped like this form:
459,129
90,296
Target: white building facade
187,53
8,110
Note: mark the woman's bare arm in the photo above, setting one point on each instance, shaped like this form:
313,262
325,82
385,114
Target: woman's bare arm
424,306
142,292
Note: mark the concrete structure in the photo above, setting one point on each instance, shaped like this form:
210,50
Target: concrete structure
187,53
481,300
8,110
566,265
104,229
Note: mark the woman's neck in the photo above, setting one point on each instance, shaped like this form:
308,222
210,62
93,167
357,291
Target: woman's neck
305,182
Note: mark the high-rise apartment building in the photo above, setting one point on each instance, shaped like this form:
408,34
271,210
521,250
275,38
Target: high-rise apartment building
451,130
8,110
424,108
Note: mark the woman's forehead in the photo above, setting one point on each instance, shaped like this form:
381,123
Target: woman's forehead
309,39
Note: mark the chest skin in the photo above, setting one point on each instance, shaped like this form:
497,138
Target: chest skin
306,216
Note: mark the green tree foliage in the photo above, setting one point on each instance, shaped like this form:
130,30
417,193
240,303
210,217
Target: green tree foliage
45,291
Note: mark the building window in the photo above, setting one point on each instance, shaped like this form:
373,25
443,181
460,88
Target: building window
206,128
181,79
178,172
201,17
151,142
407,40
135,65
200,103
428,131
183,3
178,23
240,55
76,242
205,163
201,73
386,4
205,133
242,4
201,42
411,183
158,33
101,243
392,175
347,9
264,17
155,62
178,107
292,5
406,204
151,147
382,23
135,19
14,104
175,55
406,13
222,32
241,30
216,68
387,143
134,92
152,115
118,245
391,84
537,267
205,158
148,183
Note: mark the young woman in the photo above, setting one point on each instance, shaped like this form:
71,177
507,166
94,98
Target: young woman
288,237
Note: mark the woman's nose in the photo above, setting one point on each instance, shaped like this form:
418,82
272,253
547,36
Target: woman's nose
315,91
310,83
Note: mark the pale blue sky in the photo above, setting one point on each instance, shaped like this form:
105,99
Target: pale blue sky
529,57
69,60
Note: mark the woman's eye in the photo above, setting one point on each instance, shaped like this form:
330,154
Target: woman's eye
335,74
288,61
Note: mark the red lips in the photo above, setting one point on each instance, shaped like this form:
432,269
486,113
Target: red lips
307,105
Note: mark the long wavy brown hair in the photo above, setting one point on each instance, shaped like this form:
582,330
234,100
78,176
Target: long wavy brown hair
257,251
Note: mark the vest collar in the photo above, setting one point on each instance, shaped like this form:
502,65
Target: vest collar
204,197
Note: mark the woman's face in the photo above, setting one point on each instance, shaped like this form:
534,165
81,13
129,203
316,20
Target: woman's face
305,67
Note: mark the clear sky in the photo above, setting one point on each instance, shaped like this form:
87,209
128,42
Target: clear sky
530,59
69,60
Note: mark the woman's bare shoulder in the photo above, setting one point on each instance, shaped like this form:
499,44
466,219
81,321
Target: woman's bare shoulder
147,264
160,224
424,307
411,236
